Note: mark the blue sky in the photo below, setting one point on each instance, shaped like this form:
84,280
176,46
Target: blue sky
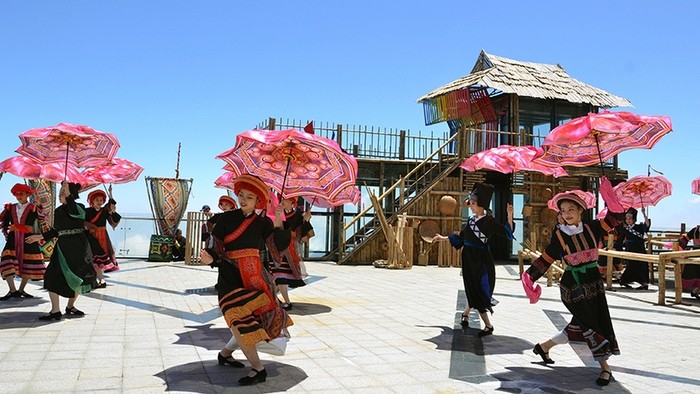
156,73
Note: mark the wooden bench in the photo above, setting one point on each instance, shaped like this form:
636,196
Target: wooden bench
676,259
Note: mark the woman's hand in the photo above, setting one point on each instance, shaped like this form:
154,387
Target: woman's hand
33,238
205,257
439,237
307,216
510,209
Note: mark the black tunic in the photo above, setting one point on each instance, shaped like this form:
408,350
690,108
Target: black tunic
478,269
632,239
70,270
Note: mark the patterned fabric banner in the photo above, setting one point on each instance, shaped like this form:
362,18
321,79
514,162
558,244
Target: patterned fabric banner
46,197
168,198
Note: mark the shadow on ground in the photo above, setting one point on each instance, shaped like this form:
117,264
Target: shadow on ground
555,380
196,377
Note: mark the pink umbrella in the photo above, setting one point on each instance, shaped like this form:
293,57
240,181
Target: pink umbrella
115,171
25,167
587,197
293,162
641,191
79,145
594,138
507,159
696,186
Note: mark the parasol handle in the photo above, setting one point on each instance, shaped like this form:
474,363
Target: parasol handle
65,169
286,171
600,157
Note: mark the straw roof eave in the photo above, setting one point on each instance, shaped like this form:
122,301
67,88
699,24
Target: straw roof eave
537,80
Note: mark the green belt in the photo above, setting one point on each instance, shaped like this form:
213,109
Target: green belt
580,269
71,231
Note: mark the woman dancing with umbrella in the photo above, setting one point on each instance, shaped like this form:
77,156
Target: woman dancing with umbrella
478,269
20,257
582,288
287,269
690,277
96,218
631,236
70,271
245,289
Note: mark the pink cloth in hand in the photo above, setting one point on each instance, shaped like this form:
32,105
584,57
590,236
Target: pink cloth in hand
532,290
606,191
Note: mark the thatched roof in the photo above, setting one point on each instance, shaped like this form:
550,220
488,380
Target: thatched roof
538,80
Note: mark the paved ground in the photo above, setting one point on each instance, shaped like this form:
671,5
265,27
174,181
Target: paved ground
157,328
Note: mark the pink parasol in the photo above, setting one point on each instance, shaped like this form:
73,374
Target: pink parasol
695,186
641,191
79,145
507,159
293,162
25,167
594,138
587,197
115,171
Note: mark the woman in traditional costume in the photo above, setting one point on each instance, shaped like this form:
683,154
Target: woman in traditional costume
287,261
245,289
70,271
97,216
19,257
581,286
690,277
631,237
478,269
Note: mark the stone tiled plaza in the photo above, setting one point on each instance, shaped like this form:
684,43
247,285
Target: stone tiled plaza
358,329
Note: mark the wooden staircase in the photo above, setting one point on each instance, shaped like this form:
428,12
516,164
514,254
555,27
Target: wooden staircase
412,186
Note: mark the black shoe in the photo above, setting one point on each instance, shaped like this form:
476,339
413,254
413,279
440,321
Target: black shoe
234,363
642,287
24,294
51,316
486,331
286,306
74,311
10,294
545,355
465,321
101,285
626,285
604,382
259,376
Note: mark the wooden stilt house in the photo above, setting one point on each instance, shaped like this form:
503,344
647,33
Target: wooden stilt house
501,102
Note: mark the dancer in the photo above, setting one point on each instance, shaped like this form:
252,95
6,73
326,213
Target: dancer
478,269
245,289
70,271
690,277
631,236
96,218
287,269
20,257
582,289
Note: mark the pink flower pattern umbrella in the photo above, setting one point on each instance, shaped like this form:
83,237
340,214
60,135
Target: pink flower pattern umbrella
25,167
79,145
508,159
115,171
347,195
595,138
293,162
641,191
695,186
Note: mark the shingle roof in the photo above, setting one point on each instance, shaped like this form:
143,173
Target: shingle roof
538,80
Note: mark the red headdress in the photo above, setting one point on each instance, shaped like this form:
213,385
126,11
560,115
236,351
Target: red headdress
254,185
96,193
229,200
21,188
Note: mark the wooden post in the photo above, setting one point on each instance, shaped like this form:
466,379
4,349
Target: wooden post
271,123
402,144
609,265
